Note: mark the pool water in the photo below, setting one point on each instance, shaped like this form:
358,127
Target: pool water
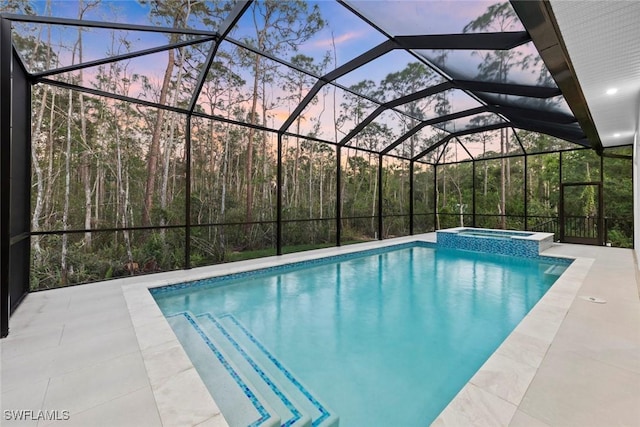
384,339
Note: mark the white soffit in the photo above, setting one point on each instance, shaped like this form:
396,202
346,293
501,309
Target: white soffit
603,42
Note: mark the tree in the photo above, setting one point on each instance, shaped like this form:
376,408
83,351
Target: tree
414,77
296,85
279,27
495,66
175,14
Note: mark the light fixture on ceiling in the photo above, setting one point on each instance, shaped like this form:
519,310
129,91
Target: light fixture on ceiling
612,91
616,135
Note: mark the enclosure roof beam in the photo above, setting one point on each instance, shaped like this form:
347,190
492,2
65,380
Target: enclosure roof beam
519,140
465,41
238,11
119,97
359,61
123,56
102,24
459,133
569,133
502,88
431,122
573,135
446,143
508,88
465,148
486,41
395,103
225,28
299,69
530,113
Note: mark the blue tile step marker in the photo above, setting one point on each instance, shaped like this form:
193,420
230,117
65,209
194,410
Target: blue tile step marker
288,410
321,414
240,402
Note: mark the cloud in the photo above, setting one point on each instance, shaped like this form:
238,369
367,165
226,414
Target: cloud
341,39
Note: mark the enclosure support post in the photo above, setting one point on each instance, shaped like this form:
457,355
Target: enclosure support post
15,178
560,199
435,197
187,192
338,194
5,174
473,193
526,193
380,224
411,191
602,231
279,197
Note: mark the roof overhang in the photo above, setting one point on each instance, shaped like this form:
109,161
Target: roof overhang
589,48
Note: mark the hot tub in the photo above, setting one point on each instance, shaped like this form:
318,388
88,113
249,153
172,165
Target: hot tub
504,242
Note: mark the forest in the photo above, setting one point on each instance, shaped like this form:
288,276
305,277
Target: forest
122,187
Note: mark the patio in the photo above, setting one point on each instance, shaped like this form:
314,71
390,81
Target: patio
76,349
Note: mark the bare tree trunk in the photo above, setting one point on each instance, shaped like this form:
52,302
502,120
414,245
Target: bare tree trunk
85,168
335,128
85,171
50,156
374,199
486,178
166,163
286,194
311,184
38,138
123,199
249,160
237,171
154,149
223,195
321,186
265,183
296,160
169,143
503,193
67,185
98,195
444,187
436,207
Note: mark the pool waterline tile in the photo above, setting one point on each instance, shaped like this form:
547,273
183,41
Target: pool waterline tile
222,279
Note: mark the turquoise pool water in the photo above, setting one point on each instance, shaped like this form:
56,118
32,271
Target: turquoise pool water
384,339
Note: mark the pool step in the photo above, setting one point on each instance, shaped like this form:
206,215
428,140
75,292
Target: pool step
555,270
321,415
240,403
275,394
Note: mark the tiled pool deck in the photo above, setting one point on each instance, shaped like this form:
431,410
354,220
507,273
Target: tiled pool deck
104,353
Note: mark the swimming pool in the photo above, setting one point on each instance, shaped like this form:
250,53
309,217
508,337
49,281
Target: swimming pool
379,338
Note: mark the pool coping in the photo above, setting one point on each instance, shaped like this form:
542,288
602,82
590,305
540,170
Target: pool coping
492,394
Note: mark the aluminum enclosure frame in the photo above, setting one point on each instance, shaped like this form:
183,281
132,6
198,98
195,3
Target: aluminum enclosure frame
15,230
